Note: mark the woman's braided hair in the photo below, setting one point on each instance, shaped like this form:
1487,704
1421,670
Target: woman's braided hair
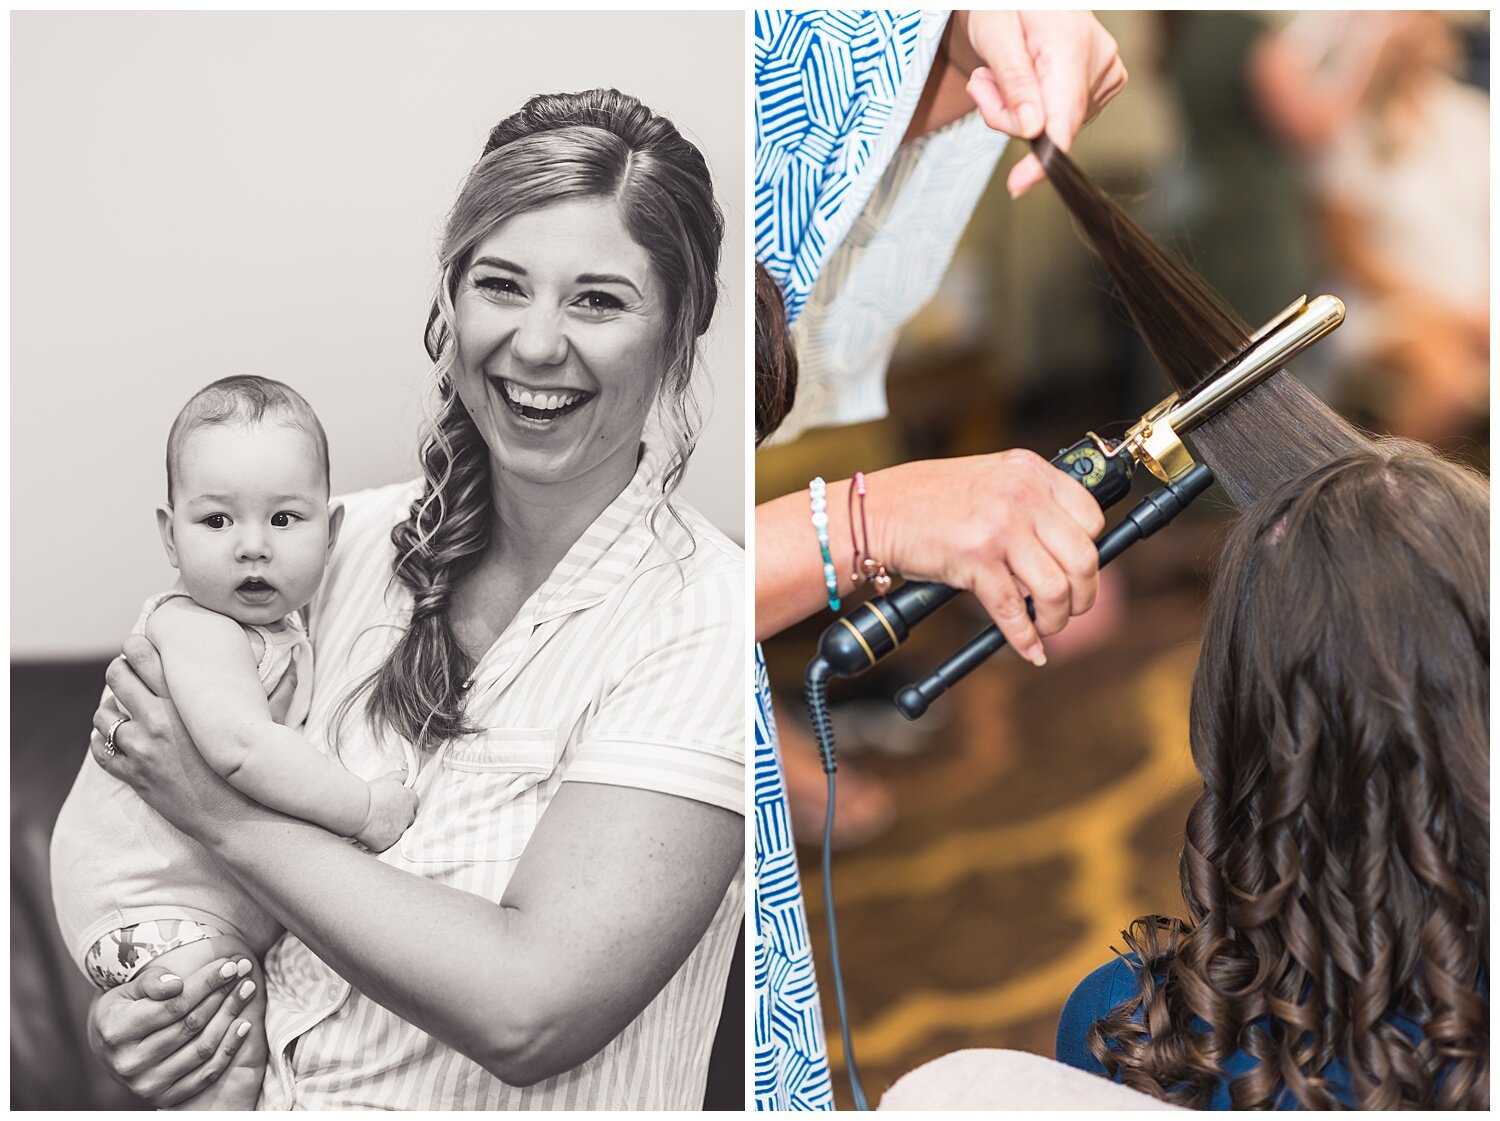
595,144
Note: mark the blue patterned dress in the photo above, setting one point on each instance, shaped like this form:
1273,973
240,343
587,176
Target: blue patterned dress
791,1060
834,93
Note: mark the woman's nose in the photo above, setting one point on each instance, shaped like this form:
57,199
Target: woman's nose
539,339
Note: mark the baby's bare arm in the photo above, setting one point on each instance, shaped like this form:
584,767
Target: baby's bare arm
213,681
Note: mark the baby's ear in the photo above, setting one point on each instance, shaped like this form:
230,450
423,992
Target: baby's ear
335,523
164,526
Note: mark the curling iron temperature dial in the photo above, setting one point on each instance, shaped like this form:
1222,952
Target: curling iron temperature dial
1093,462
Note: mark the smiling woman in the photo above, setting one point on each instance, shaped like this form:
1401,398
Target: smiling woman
557,667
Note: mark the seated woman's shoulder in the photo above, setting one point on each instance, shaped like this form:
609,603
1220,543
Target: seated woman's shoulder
1098,994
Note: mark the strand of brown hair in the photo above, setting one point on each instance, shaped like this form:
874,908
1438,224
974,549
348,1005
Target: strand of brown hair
1280,429
775,357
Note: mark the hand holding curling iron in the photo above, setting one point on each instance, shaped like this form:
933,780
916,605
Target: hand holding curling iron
1002,526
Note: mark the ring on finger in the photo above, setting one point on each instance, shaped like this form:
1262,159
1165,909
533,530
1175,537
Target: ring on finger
109,737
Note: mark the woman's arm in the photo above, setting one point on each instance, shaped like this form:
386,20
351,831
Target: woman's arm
999,525
616,887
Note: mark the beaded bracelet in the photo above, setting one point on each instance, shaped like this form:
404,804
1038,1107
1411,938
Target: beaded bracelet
818,493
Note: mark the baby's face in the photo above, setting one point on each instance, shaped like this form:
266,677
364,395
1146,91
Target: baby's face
250,527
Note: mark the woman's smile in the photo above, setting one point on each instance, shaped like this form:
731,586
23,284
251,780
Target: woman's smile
542,407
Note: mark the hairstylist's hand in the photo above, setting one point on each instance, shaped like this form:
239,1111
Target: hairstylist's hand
154,754
1002,526
1034,71
168,1037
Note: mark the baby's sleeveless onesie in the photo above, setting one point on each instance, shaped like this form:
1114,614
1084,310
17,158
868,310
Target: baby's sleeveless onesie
129,886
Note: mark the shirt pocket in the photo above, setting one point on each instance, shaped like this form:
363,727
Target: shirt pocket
484,799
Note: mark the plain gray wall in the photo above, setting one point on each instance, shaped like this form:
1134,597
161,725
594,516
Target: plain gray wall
201,194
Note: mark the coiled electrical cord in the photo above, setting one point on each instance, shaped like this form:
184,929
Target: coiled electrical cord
815,683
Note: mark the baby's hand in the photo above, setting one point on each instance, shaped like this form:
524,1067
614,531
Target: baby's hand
392,808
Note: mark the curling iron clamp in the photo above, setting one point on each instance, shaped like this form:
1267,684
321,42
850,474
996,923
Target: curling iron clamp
875,628
1155,441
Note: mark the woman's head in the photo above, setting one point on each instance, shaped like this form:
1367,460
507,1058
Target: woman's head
639,199
1336,863
1348,632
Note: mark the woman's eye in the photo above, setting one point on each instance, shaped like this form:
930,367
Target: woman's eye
498,285
283,518
600,302
216,521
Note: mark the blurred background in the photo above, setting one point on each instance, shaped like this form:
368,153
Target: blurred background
989,855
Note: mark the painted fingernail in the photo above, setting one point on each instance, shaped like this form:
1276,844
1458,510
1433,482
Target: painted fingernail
228,970
246,989
1030,118
244,966
243,1030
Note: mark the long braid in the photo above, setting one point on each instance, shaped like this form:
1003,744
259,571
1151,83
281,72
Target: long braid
420,689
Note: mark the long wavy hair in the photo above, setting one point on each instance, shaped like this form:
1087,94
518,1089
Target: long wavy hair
595,144
1336,864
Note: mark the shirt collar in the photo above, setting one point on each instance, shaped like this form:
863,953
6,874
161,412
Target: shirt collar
610,548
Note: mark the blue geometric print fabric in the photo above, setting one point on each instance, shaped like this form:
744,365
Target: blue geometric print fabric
791,1058
834,91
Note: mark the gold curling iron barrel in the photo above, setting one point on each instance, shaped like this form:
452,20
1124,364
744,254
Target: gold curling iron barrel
1155,440
872,630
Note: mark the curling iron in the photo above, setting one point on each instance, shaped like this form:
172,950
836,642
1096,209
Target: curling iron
1105,468
875,628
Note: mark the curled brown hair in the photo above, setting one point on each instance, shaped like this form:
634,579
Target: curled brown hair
1336,863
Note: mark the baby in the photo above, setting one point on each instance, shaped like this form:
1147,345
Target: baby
249,527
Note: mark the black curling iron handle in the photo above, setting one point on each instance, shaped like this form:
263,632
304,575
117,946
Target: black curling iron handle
1154,511
872,630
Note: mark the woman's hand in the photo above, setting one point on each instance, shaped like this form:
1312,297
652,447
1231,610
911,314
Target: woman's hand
1036,71
154,754
166,1037
1002,526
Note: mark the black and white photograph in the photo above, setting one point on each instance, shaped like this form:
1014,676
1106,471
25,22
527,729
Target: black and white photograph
379,628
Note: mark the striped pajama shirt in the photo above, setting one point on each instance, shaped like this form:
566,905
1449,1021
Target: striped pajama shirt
624,668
